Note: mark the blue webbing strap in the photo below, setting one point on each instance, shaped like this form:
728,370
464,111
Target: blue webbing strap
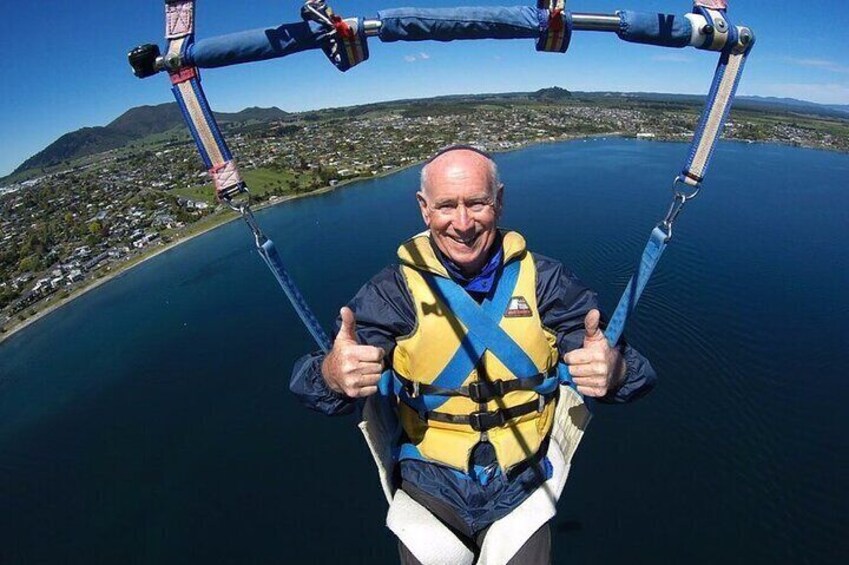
735,45
268,252
218,159
651,255
472,346
481,320
483,333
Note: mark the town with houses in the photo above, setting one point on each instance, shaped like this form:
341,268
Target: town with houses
61,231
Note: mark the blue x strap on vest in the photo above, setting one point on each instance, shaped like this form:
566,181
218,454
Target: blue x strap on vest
483,333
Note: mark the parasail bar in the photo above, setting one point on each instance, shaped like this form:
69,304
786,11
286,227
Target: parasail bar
582,22
442,24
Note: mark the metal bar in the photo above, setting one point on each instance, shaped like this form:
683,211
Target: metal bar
595,22
583,22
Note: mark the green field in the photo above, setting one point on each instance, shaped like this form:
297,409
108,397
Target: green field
261,182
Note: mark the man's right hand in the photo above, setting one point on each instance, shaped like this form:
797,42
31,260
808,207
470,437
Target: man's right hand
350,368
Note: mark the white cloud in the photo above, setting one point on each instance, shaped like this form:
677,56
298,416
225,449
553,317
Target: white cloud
421,56
672,58
824,64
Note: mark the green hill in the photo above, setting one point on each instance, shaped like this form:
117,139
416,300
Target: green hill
134,124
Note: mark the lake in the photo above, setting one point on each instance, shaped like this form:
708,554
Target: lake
149,421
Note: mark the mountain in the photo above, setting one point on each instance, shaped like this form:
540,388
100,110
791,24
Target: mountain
551,94
132,125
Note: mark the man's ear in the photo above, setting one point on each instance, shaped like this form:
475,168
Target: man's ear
423,208
499,202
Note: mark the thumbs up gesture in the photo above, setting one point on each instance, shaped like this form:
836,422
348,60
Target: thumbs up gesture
350,368
596,368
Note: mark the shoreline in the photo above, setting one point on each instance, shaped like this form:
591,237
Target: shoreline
123,269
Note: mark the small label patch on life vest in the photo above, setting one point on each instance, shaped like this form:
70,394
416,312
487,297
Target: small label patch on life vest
518,308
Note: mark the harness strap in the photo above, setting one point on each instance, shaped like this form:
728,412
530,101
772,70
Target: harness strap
179,16
628,301
481,320
735,44
268,252
483,421
556,30
478,391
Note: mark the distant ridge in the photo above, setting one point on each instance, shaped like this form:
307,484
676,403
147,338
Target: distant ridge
142,121
134,124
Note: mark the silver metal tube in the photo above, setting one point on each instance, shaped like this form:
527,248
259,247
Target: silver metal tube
372,27
595,22
582,22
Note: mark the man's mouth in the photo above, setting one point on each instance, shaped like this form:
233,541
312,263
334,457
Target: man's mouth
467,241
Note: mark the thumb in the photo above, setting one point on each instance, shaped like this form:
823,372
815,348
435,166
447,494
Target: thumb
348,331
591,325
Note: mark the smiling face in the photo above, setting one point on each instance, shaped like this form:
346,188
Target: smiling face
460,203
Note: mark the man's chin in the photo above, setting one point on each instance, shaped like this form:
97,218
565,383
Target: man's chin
466,261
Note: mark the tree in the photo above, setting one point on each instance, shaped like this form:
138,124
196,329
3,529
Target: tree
29,263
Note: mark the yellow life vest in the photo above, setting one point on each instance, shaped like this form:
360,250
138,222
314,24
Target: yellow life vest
420,358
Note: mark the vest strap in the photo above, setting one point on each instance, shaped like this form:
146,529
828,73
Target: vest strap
484,421
481,320
479,391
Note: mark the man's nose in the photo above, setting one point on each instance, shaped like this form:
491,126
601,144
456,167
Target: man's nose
463,219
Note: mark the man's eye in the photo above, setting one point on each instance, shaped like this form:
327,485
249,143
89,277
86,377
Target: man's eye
477,206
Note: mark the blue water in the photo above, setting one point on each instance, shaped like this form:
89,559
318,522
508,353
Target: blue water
149,421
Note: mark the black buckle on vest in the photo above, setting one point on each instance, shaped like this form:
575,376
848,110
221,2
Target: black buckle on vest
484,391
484,421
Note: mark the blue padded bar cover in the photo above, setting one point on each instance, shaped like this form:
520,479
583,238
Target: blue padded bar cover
666,30
254,45
448,24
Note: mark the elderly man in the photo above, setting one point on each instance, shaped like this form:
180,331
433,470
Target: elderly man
472,328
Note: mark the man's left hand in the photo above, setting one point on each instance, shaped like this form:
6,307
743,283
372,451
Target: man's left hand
596,368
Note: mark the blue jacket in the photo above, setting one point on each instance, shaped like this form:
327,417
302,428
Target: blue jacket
383,309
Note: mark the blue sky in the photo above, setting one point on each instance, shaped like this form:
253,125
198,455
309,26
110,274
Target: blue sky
64,63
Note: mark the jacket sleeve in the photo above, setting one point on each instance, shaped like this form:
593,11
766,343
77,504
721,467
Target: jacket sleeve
384,311
563,302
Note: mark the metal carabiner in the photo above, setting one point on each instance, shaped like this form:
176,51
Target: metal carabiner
679,198
243,208
248,216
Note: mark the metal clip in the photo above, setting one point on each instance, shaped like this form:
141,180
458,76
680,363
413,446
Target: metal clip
679,198
248,215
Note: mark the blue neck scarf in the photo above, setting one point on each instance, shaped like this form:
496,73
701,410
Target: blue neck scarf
482,282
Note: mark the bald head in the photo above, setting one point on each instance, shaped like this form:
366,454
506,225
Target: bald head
460,161
460,202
